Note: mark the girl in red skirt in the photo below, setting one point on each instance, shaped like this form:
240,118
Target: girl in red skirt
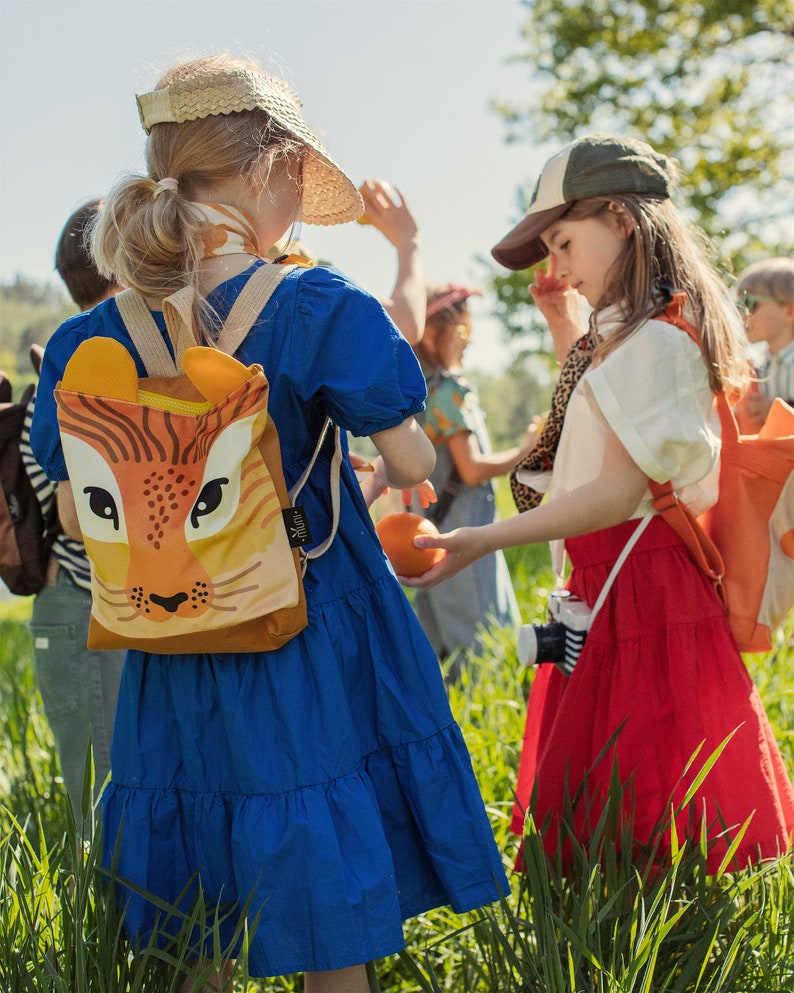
660,678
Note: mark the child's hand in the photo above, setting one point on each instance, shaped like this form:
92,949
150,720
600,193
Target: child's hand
376,483
533,434
547,281
425,494
752,410
461,549
560,304
360,464
389,215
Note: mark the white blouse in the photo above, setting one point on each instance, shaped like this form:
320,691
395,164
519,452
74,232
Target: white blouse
653,392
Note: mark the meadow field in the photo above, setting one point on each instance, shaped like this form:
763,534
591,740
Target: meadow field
606,927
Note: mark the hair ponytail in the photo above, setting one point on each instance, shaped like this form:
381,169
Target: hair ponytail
147,237
151,243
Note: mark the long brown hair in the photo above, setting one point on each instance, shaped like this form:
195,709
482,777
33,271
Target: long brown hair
665,253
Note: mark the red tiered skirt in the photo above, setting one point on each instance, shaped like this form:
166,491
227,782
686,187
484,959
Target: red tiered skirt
660,671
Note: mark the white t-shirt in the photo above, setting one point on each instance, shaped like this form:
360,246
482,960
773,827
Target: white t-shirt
653,392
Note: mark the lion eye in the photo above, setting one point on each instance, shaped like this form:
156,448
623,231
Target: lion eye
208,500
102,504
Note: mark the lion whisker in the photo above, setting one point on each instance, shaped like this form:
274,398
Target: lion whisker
118,590
235,593
114,603
236,577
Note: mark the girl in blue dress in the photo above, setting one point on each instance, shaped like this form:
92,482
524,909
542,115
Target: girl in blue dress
326,782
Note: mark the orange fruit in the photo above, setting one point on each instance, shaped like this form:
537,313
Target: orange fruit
397,533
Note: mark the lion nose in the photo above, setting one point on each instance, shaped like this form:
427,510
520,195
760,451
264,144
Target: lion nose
169,603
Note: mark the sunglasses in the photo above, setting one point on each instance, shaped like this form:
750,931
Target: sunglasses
749,301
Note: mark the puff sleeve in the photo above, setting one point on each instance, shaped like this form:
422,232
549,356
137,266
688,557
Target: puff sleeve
345,349
653,391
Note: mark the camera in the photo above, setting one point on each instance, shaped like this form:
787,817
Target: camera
562,639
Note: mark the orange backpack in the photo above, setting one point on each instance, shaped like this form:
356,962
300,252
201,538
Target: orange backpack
195,543
745,542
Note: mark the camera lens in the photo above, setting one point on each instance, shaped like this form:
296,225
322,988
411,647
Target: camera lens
539,643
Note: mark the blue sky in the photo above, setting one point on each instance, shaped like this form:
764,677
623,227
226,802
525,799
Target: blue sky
398,89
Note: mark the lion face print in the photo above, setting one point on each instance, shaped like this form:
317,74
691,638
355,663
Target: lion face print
181,520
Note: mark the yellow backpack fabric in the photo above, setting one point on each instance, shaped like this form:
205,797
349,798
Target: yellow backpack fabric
193,539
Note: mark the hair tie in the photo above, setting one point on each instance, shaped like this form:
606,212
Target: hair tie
165,184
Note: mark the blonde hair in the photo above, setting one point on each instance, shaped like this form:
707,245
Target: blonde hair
665,254
155,244
769,277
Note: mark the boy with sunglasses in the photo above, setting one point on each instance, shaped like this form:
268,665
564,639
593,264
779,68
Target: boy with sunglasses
765,293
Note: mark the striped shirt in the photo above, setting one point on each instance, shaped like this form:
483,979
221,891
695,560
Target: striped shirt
776,374
69,554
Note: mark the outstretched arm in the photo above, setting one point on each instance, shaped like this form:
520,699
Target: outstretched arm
408,300
609,500
475,467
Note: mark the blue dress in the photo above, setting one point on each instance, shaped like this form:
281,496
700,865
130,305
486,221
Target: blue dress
327,781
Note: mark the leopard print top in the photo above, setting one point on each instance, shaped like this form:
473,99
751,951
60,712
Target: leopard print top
541,458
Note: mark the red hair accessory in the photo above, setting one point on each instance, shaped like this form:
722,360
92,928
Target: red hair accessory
452,295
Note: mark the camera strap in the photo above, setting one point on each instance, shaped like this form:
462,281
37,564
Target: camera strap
635,537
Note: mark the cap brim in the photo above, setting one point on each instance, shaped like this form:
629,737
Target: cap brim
522,248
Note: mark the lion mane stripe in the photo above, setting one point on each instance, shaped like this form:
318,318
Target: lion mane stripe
120,436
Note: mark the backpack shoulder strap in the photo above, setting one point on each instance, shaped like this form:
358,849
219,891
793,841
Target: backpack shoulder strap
673,313
335,487
681,519
665,500
145,334
249,305
178,310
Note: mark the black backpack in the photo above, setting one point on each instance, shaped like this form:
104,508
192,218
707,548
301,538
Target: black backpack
26,536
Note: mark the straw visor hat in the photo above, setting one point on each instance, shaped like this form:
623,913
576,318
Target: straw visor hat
329,196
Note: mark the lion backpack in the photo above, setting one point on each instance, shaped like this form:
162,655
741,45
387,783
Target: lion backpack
194,542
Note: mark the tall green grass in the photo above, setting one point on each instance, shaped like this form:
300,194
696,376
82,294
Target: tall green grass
607,926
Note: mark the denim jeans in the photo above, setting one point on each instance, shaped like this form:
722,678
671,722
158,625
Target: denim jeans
78,686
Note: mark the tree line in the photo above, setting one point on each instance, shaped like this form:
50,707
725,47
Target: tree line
707,83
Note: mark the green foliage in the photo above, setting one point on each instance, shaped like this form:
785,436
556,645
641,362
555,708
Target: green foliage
30,781
30,314
607,926
707,83
61,926
510,400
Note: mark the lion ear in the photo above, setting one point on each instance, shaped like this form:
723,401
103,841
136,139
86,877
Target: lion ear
214,373
102,367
